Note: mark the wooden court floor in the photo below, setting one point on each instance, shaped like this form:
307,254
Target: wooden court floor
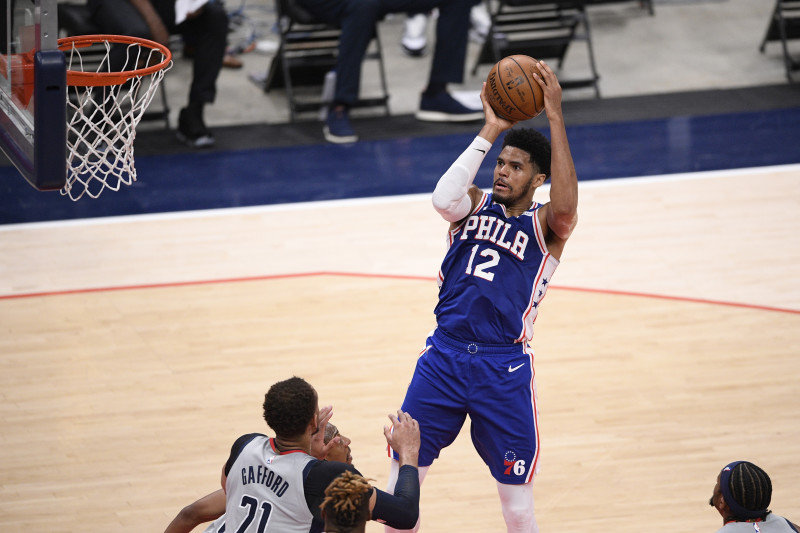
134,351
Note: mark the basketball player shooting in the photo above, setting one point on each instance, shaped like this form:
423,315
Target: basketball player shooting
503,250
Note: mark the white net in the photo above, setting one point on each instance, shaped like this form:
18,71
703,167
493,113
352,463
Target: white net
102,119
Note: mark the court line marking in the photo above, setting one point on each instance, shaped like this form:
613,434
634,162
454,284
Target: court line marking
380,200
270,277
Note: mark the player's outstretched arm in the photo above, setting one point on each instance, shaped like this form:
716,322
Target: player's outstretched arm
401,509
404,438
455,196
206,509
562,212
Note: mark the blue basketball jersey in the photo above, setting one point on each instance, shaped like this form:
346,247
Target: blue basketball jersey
494,275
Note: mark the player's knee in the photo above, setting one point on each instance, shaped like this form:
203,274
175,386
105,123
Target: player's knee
519,517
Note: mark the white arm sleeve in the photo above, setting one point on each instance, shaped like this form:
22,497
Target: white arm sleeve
450,198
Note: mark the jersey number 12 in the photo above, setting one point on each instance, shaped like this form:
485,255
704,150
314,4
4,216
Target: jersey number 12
481,268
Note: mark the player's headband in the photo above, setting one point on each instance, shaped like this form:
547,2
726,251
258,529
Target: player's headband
725,484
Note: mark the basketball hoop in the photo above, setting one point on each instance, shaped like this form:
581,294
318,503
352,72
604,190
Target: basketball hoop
105,103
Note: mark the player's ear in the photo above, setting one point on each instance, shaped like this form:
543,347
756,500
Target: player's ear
722,506
539,179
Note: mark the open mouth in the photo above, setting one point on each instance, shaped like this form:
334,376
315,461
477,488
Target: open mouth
500,186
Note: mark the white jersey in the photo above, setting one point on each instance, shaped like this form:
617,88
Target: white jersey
773,524
264,489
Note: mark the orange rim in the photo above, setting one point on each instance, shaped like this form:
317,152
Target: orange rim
104,79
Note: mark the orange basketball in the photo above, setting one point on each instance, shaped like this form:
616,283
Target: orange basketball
512,90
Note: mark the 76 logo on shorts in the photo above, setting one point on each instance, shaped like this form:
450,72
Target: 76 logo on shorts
511,463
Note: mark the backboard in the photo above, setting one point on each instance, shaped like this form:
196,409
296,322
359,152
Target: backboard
33,92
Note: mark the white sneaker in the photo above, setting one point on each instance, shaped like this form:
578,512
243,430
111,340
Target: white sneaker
415,35
480,22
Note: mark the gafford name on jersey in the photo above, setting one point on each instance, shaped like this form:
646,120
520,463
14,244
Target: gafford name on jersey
264,476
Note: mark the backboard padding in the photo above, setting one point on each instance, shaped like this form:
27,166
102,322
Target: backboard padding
33,93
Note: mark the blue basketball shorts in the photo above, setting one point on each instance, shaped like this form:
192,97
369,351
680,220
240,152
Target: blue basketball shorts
494,385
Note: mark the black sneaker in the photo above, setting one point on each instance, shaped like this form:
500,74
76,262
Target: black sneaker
444,108
192,130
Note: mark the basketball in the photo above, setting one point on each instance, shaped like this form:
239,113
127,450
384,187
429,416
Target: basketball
512,90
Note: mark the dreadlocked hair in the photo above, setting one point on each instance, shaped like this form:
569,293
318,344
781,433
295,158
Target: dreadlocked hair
751,487
346,503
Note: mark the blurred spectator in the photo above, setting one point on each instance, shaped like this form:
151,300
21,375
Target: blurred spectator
357,19
204,27
415,32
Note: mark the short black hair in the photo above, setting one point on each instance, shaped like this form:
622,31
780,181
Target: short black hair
533,142
289,406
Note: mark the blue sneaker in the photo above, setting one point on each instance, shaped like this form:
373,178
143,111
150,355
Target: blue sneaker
337,127
444,108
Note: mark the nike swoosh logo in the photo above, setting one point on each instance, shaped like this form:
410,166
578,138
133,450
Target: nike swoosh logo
515,368
481,151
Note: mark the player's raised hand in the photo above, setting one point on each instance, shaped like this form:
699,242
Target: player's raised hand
403,437
494,125
491,117
550,87
318,447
